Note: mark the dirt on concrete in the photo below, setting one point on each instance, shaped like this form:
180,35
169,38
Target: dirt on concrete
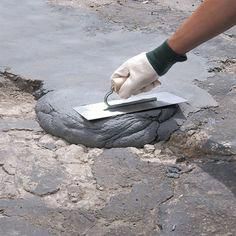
50,187
185,186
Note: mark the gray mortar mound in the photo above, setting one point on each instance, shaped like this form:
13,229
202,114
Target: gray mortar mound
56,116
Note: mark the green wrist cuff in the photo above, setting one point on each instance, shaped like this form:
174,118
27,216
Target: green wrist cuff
163,58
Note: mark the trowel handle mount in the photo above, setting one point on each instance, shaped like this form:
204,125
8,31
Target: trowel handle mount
115,87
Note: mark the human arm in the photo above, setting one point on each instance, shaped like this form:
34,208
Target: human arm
141,73
211,18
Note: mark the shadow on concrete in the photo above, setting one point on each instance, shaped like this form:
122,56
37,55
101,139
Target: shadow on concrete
225,172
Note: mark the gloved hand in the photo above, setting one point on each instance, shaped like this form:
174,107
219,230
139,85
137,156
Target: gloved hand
141,73
135,76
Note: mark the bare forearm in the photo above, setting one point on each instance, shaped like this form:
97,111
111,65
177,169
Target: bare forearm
210,19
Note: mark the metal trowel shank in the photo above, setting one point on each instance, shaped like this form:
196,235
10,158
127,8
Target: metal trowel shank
134,104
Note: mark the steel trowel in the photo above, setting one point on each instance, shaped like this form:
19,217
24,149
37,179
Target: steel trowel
112,108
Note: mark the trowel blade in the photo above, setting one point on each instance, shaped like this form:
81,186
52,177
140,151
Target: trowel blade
100,110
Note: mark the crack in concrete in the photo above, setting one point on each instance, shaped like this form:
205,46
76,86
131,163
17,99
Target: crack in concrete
6,171
43,194
3,213
167,199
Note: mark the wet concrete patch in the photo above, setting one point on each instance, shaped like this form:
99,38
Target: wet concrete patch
56,115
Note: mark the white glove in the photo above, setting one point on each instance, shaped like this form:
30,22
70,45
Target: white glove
137,76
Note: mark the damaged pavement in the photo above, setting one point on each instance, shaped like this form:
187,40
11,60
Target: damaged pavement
183,185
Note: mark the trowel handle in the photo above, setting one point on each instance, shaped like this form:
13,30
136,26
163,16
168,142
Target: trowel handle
117,83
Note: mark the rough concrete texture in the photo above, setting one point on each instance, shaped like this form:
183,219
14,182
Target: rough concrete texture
197,201
56,116
114,192
65,54
161,189
50,187
212,131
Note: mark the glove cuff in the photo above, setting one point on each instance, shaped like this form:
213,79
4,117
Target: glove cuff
163,58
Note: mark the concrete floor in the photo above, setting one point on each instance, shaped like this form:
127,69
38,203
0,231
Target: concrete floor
185,186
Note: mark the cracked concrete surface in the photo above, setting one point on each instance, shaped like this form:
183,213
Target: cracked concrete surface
185,186
50,187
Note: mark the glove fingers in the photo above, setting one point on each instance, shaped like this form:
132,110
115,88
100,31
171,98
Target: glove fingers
151,86
137,92
122,71
144,90
148,88
126,89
